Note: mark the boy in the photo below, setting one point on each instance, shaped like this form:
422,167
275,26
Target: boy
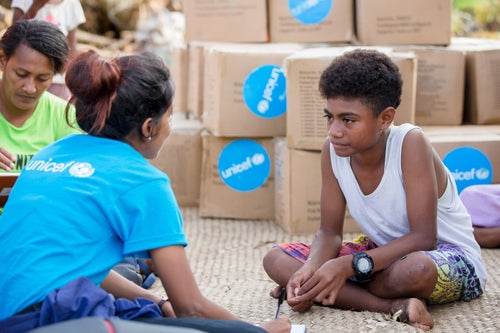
419,246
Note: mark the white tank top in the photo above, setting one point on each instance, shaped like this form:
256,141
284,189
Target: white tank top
382,214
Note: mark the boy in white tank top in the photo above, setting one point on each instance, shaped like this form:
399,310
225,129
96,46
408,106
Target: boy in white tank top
418,246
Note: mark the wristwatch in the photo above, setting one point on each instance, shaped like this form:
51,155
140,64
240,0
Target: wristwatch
362,264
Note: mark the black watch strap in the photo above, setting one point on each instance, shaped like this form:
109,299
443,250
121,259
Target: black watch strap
362,264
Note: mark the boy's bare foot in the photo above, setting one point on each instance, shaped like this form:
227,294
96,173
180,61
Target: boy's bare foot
414,312
275,292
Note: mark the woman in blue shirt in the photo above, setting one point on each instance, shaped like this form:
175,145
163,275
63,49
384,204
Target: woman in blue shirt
88,200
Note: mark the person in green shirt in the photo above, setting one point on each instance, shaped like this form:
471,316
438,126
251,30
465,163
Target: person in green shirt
31,53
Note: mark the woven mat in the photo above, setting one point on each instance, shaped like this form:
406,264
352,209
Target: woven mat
226,258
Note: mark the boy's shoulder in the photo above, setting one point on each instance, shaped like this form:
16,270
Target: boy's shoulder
403,128
399,132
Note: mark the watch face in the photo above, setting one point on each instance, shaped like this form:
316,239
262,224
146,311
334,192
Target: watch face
364,265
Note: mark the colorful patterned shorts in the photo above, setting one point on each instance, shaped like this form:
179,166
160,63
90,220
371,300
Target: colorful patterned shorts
456,280
300,251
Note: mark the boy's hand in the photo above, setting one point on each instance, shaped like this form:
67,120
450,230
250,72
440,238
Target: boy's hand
324,286
294,285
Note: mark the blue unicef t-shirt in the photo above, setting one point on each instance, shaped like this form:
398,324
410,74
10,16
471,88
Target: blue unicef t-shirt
79,206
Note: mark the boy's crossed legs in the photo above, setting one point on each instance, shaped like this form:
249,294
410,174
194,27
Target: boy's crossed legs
402,289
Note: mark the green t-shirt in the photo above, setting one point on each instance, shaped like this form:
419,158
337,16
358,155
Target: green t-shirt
46,125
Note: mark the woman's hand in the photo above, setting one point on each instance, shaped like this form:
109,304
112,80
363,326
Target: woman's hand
280,325
167,309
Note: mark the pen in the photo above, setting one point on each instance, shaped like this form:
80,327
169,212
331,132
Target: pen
281,298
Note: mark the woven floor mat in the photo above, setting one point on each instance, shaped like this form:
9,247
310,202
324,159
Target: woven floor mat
226,257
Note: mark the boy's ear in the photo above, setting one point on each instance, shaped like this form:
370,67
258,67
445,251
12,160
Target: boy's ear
387,117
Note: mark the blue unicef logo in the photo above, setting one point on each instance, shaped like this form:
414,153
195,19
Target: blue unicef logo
469,166
310,11
244,165
264,91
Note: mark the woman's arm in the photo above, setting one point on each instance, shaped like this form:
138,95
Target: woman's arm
172,266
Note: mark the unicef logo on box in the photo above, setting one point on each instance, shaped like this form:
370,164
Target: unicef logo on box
264,91
469,166
310,11
244,165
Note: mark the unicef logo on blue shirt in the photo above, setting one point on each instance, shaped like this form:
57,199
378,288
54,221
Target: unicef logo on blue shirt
469,166
82,170
264,91
244,165
310,11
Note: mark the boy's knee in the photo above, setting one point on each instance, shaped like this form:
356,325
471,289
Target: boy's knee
421,271
270,258
416,272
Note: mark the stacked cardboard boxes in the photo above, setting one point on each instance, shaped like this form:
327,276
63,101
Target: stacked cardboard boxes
238,70
244,105
238,91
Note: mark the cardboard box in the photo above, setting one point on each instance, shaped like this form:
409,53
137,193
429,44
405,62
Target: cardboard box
440,85
196,69
306,126
180,159
179,72
396,22
297,192
237,178
226,20
321,22
485,138
245,89
408,67
482,82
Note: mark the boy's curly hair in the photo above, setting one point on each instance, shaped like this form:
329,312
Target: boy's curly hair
366,74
